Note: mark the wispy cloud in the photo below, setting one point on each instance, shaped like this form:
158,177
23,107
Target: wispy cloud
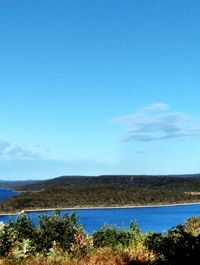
156,106
157,122
10,151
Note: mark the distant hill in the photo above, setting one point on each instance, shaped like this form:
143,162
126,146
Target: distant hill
110,190
15,183
183,182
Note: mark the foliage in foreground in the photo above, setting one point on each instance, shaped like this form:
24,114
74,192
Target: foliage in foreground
180,245
62,241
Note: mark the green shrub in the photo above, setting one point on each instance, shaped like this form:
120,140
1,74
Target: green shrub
179,245
112,237
16,236
22,249
192,226
8,237
83,244
23,228
56,229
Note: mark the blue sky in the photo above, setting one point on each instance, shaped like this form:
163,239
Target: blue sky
99,87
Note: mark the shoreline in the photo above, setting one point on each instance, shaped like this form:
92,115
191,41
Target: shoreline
98,207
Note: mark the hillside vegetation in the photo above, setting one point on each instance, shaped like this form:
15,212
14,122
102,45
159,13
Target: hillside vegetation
181,182
65,192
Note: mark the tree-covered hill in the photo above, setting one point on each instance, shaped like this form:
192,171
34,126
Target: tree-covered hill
82,191
180,182
98,197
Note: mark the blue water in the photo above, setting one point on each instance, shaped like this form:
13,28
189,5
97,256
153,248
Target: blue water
157,219
6,193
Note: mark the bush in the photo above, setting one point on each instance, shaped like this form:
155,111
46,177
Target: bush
22,250
56,229
6,239
179,245
192,226
110,236
15,236
83,244
23,228
56,238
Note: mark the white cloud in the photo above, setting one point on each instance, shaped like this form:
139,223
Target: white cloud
157,122
10,151
4,145
156,106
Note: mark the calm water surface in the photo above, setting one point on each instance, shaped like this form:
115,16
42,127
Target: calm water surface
6,193
157,219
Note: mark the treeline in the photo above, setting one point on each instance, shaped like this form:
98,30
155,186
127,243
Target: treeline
62,241
181,182
102,196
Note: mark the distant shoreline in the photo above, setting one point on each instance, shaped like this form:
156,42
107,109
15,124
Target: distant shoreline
98,207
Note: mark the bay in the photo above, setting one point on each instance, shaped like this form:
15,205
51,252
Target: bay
6,193
155,219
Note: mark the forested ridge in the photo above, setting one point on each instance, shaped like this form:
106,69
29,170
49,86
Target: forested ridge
183,182
105,191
